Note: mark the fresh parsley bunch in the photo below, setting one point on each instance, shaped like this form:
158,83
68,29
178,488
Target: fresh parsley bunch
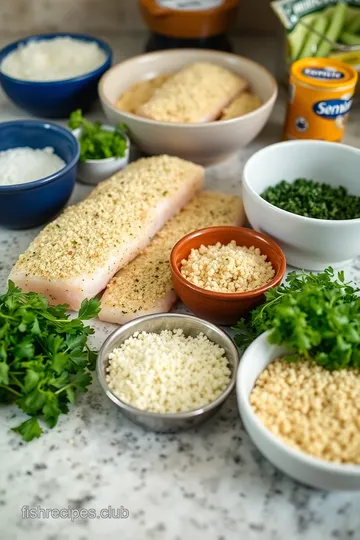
315,315
45,359
95,142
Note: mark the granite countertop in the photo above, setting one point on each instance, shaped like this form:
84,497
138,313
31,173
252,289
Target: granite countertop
206,484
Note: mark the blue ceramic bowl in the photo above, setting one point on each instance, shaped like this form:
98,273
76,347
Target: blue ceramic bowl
54,99
23,206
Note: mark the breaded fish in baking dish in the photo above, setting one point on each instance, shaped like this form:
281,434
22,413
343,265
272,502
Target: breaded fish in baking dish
144,286
197,93
76,255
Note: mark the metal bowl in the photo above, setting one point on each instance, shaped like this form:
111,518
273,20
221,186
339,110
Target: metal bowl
192,326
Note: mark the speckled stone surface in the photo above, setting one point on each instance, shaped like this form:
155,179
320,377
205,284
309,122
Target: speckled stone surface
208,484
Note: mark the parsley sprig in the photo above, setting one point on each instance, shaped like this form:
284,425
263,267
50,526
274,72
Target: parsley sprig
45,359
314,315
95,142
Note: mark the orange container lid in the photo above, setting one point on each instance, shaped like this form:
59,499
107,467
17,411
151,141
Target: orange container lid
188,19
326,73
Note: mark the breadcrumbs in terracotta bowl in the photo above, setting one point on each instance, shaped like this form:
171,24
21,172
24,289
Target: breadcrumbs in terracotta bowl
221,273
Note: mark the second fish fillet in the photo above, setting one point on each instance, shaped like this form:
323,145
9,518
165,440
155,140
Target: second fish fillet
75,256
145,286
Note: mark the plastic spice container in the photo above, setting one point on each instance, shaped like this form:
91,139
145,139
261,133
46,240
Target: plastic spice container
320,98
188,23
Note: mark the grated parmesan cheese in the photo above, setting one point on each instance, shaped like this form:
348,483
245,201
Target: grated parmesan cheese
22,165
168,372
53,59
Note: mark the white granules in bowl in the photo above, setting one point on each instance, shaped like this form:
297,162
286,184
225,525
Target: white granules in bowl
22,165
168,372
53,59
227,268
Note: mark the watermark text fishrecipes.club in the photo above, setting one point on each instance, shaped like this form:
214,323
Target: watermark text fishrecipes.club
37,512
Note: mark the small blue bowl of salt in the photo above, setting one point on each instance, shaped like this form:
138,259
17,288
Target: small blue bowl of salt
38,162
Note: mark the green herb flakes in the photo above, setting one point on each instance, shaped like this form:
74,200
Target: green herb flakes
312,199
95,142
44,356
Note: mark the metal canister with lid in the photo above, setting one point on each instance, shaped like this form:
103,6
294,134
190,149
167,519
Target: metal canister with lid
320,97
188,23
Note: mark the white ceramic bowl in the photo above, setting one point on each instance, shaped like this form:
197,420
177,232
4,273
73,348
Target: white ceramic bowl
299,465
201,143
311,244
93,171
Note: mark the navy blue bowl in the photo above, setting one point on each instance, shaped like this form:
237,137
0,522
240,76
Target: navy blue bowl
54,99
23,206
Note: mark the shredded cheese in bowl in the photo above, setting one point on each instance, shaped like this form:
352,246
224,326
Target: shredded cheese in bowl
55,59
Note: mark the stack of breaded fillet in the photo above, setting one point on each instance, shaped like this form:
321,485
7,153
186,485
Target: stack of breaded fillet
198,93
118,240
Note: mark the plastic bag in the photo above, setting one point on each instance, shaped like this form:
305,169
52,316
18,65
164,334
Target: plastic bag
338,21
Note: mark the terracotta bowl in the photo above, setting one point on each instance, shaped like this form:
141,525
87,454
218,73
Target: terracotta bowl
224,308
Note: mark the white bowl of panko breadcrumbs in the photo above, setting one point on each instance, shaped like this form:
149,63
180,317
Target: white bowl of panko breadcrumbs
199,105
303,418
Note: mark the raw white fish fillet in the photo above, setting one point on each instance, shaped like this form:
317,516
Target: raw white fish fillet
144,286
75,256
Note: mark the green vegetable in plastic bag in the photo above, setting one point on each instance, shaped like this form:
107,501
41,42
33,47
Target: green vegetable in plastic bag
335,20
